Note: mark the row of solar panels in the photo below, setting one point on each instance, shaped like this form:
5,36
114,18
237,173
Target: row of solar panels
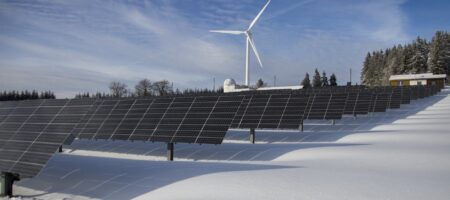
288,109
31,131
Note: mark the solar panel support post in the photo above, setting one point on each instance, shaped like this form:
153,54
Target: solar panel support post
6,184
169,151
252,135
301,126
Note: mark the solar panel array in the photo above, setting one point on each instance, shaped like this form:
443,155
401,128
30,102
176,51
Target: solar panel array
262,109
31,131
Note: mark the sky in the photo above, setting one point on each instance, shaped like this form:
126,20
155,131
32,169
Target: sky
81,46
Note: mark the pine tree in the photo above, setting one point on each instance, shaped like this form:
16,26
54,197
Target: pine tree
333,81
306,82
317,81
439,55
260,83
324,79
365,70
418,55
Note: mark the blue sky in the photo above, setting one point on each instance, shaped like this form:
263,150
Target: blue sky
76,46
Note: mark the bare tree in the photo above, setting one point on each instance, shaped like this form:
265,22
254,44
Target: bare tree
162,88
118,89
144,88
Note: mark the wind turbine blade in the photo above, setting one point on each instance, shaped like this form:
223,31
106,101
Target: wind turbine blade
228,32
257,16
252,43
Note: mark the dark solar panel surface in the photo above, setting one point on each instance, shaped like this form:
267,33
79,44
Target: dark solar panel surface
275,111
421,92
363,104
172,119
336,106
34,130
414,93
406,96
350,104
381,102
395,99
241,111
294,112
317,106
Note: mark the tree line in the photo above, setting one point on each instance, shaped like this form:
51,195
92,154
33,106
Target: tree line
15,95
146,88
319,81
420,56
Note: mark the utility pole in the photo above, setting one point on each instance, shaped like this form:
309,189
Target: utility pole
214,84
350,75
274,80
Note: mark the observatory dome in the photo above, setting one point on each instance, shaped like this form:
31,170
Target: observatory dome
229,85
229,82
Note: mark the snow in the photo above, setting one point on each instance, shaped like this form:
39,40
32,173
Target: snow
400,154
417,76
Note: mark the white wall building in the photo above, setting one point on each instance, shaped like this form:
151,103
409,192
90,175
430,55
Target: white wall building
229,85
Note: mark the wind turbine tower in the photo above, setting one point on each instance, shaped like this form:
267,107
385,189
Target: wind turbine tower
249,43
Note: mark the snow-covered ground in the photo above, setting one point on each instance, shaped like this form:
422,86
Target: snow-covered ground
400,154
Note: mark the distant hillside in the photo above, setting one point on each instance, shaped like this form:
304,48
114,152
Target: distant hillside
418,57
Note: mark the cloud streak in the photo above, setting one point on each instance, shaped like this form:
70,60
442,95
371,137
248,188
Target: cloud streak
75,46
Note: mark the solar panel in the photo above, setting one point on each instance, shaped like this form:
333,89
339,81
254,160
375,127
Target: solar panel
395,99
241,111
380,102
406,95
317,106
336,106
152,114
254,111
219,120
6,107
363,103
126,129
414,93
34,130
350,104
172,119
428,91
271,111
421,92
294,111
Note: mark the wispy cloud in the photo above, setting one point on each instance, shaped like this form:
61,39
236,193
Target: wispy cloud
73,46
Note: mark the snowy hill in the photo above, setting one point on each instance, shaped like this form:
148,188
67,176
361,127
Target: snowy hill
400,154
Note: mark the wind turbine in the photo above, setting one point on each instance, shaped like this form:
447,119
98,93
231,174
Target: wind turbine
249,42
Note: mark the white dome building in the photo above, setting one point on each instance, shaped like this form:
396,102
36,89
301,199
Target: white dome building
229,85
